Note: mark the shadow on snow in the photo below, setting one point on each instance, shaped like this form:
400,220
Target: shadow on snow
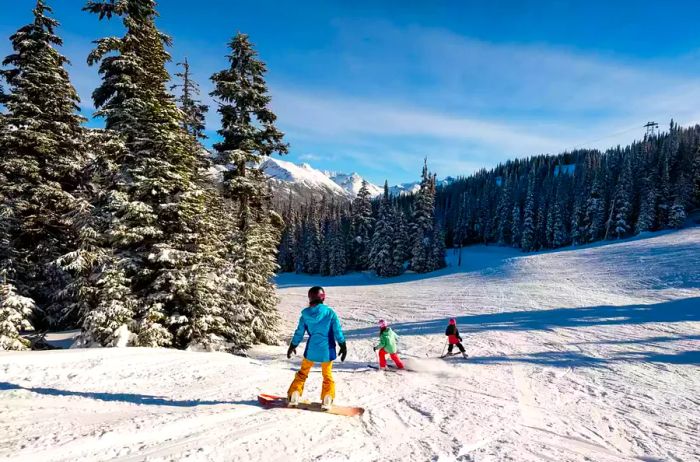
122,397
684,310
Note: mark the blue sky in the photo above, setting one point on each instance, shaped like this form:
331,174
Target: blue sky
375,86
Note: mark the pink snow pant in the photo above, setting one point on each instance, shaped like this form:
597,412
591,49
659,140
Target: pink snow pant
394,357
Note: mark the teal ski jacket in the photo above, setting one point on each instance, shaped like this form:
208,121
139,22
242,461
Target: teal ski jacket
323,327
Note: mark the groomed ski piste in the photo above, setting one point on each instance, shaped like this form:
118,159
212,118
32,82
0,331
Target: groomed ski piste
582,354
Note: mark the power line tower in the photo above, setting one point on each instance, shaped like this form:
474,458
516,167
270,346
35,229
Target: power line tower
652,128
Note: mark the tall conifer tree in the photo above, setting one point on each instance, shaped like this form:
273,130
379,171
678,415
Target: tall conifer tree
194,111
166,265
381,256
362,228
249,136
42,157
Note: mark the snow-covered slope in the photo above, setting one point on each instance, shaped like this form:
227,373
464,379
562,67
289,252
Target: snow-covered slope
587,354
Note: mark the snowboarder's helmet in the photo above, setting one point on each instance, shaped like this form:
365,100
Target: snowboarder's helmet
317,295
453,321
382,324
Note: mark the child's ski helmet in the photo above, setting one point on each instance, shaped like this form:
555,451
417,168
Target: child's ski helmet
453,321
382,324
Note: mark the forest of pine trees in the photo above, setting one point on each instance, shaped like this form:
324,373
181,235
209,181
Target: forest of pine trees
387,235
579,197
121,231
543,202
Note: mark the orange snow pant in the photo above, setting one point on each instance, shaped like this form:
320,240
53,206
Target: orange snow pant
328,387
394,357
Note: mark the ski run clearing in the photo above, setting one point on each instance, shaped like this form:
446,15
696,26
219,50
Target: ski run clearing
580,354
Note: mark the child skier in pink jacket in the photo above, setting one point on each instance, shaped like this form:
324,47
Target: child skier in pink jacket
453,338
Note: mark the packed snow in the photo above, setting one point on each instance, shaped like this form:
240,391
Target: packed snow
578,354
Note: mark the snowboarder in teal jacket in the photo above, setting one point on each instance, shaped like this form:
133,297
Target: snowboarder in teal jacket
387,344
323,327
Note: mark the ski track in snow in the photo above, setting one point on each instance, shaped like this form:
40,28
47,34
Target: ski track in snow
580,354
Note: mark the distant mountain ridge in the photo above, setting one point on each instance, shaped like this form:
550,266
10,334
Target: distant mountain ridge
303,182
307,182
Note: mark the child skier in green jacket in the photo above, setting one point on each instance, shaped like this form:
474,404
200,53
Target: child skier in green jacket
387,344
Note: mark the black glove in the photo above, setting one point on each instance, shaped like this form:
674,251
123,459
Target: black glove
460,338
374,348
343,351
292,349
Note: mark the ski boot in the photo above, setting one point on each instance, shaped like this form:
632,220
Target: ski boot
327,403
293,399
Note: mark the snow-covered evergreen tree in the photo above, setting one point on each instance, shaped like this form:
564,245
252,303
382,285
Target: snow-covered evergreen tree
362,228
504,213
249,135
337,255
623,203
381,257
424,248
515,230
311,246
560,236
194,111
696,177
664,200
527,240
325,247
42,156
288,244
438,251
15,311
401,240
647,210
576,228
157,220
594,219
677,216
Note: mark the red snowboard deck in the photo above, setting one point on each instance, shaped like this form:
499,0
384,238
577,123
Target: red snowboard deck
271,401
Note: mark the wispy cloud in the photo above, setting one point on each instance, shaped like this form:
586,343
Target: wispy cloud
410,92
377,98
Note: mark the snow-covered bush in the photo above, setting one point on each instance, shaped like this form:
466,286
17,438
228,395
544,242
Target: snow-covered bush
14,317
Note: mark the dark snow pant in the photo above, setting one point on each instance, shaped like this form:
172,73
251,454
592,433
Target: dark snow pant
459,345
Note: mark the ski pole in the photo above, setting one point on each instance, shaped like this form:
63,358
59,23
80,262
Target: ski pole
443,348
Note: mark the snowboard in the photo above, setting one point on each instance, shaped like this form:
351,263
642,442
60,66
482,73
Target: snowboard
271,401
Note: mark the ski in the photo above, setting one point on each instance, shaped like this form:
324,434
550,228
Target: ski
387,368
271,401
452,354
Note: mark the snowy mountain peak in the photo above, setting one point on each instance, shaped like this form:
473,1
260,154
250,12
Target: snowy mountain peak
304,179
287,175
352,184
